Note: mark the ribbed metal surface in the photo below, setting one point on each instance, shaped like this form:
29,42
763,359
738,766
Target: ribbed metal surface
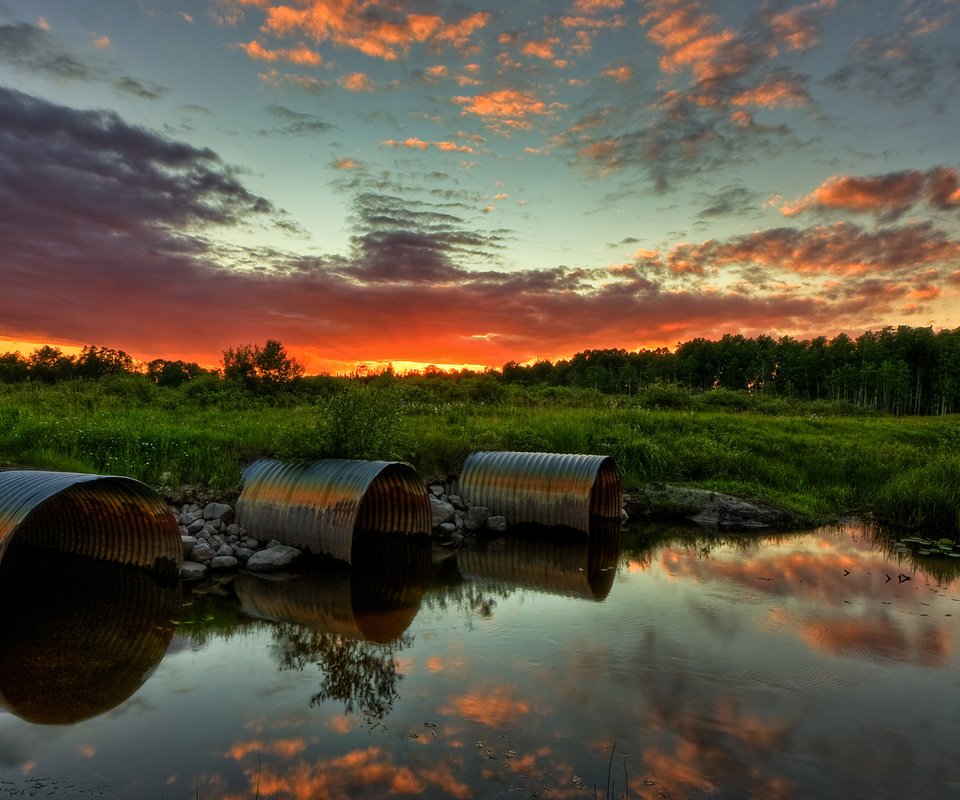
551,489
583,569
375,600
81,640
106,517
320,506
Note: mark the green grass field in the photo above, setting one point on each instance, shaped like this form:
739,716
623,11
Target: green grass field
815,461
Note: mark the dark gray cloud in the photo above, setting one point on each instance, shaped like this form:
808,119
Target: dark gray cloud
30,48
91,167
145,90
892,69
729,201
703,121
682,140
296,123
399,239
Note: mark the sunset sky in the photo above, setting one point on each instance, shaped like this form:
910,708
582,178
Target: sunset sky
432,182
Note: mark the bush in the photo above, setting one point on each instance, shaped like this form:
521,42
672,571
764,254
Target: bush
360,421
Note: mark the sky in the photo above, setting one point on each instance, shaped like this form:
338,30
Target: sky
472,183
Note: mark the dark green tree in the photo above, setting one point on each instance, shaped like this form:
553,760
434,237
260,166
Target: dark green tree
49,365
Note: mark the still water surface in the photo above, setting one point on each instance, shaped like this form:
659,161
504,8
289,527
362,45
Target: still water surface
821,665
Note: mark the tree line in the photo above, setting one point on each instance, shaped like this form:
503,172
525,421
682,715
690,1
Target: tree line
903,370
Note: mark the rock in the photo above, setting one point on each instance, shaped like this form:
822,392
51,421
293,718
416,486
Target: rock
497,523
192,571
195,527
703,507
218,511
250,544
436,490
476,518
223,562
188,543
441,511
272,558
447,528
187,517
225,550
201,552
457,502
243,553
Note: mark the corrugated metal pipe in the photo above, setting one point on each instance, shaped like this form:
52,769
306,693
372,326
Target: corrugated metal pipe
319,506
549,489
105,517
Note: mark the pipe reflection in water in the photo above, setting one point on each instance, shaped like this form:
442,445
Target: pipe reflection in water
531,558
351,623
80,639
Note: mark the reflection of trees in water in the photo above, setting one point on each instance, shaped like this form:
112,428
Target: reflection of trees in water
643,541
351,623
909,555
360,674
469,599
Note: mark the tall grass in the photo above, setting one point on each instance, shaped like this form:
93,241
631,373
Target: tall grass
814,464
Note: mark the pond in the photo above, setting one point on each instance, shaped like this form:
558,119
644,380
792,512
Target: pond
648,664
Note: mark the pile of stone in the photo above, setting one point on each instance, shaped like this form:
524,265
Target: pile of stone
212,541
453,519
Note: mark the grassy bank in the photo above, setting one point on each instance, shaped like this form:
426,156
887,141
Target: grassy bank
815,461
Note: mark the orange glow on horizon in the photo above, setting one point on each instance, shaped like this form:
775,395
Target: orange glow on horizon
25,348
314,362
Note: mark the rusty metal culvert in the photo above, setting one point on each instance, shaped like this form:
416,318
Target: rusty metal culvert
321,505
549,489
106,517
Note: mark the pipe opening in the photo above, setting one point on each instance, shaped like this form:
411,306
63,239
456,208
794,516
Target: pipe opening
326,506
103,518
555,490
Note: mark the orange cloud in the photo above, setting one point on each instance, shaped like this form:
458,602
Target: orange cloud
593,6
688,36
370,771
839,249
495,708
356,82
285,748
892,194
102,42
297,55
381,32
505,107
545,48
418,144
620,74
773,94
797,26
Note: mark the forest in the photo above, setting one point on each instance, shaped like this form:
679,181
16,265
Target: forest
899,371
